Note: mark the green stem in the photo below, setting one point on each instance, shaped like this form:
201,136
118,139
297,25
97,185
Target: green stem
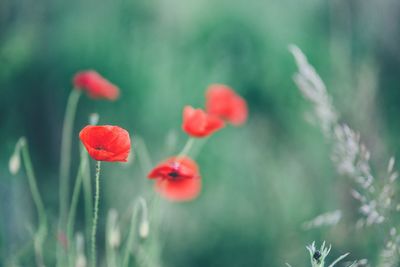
140,203
74,201
20,254
187,147
155,244
41,233
65,156
144,155
87,194
199,146
95,213
110,227
65,160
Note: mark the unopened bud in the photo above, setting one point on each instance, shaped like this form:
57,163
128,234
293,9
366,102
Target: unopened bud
144,229
80,261
94,118
114,237
113,231
15,163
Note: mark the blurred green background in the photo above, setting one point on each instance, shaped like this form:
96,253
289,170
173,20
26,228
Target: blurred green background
260,181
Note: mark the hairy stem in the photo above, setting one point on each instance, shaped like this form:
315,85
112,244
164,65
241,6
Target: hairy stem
95,212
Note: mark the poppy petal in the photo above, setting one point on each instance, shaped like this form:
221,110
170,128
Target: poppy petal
223,102
197,123
238,114
179,190
183,166
95,85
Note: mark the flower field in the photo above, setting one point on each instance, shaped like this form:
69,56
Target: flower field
199,133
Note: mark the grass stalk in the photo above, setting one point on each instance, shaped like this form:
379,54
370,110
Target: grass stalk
74,201
41,233
65,156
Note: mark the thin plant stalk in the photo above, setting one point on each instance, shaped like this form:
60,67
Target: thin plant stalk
75,198
95,212
41,233
80,259
72,215
65,163
111,226
87,195
146,164
155,244
65,156
139,204
111,256
187,147
144,155
22,252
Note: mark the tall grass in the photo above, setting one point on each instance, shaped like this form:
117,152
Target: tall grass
377,197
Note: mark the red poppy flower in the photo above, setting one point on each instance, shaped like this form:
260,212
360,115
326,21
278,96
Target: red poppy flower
178,178
223,102
106,143
95,85
198,123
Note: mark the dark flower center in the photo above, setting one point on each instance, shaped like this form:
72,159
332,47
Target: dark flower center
174,175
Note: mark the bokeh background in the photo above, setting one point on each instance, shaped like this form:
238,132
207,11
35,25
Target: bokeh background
260,181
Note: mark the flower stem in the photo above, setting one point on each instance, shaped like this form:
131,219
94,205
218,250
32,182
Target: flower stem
187,147
156,215
95,213
87,194
111,227
139,204
144,155
65,156
72,213
41,233
75,198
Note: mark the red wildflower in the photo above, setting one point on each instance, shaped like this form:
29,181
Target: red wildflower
222,101
178,178
106,143
95,85
198,123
